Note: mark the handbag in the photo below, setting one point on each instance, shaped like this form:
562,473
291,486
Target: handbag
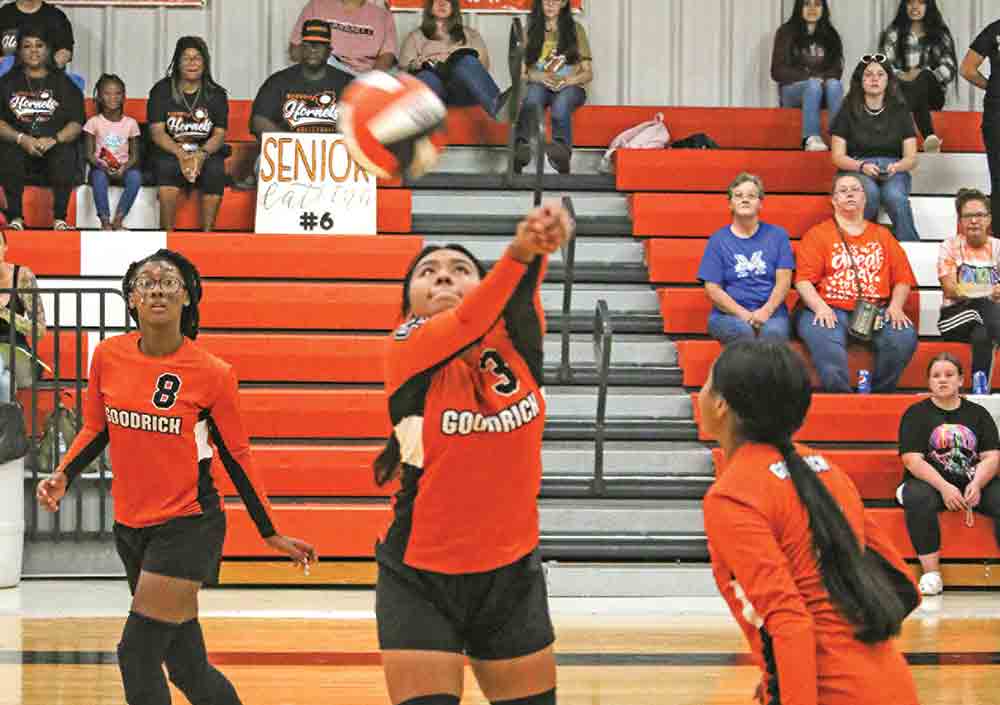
865,316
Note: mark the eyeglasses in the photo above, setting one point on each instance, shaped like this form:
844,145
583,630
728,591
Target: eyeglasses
978,215
168,285
868,58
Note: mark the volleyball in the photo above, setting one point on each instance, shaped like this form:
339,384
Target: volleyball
392,124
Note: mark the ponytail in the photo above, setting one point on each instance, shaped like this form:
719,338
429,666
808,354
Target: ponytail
856,583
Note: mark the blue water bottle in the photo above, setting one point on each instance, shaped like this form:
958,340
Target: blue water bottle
864,382
980,383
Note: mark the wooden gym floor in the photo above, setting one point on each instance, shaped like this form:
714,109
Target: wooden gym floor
296,647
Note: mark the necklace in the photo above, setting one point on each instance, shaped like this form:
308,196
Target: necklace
191,106
874,113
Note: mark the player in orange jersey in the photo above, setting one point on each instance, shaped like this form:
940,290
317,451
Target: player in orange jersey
813,582
163,403
459,570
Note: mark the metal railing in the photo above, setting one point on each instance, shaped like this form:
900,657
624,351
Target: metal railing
54,385
565,374
603,333
515,60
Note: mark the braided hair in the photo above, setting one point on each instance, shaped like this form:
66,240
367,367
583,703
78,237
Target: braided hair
768,389
192,283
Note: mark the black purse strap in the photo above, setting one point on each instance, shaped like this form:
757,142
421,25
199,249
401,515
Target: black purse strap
854,267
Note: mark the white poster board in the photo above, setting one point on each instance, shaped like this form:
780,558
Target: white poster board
308,184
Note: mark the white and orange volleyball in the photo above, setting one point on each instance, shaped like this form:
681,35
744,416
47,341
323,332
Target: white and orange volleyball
392,124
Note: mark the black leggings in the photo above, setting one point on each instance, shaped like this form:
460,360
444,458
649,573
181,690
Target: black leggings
923,94
976,321
991,138
59,165
921,504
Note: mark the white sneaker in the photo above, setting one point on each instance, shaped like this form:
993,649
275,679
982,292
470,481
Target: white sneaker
932,144
815,143
931,584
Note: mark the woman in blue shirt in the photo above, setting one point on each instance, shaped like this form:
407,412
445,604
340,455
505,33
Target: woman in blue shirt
747,270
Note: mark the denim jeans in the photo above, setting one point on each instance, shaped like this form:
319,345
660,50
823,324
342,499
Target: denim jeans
99,181
828,348
564,103
810,95
727,328
893,194
469,83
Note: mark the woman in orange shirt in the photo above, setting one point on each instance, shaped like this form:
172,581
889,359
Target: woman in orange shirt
814,583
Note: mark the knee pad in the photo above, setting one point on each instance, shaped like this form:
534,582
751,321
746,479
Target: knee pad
140,657
546,698
437,699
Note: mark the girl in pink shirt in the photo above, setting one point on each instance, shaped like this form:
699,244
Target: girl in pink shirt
112,140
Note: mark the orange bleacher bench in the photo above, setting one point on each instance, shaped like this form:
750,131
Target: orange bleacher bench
697,215
713,170
697,356
868,418
346,530
259,357
875,471
958,541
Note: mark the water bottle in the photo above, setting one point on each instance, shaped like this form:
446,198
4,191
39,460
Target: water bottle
864,382
980,383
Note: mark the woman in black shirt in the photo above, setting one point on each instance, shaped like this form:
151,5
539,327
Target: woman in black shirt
874,136
41,115
188,114
949,447
987,46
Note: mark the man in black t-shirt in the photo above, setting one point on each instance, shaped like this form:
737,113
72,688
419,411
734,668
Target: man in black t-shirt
53,21
987,46
300,98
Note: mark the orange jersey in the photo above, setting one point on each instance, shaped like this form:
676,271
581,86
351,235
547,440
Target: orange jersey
161,416
467,408
765,566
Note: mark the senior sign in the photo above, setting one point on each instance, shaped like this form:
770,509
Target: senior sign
309,184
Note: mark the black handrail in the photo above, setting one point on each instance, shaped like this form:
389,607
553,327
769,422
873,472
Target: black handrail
55,386
603,333
539,118
569,275
515,60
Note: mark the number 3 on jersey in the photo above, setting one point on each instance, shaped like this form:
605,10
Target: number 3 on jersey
167,386
492,362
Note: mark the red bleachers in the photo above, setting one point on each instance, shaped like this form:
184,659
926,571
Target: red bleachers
344,530
260,357
713,170
958,541
697,356
698,215
863,418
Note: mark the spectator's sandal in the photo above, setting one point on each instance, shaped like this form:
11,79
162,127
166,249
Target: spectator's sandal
60,225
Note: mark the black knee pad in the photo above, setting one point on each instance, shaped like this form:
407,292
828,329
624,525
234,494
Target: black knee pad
546,698
437,699
140,659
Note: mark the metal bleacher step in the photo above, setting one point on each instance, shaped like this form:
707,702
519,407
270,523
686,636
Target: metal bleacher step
445,212
635,360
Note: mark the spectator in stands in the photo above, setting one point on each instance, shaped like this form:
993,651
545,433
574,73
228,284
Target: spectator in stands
747,270
41,114
949,447
451,58
24,306
112,149
16,15
987,46
364,34
874,137
807,63
841,262
921,50
300,98
557,67
969,272
188,114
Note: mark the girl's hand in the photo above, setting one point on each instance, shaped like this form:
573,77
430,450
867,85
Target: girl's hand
298,550
542,232
51,490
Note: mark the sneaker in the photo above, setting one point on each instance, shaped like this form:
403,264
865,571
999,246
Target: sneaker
815,143
931,584
60,225
16,224
522,156
932,144
559,155
248,183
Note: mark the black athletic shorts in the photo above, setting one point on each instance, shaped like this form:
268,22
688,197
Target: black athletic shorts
186,547
499,614
211,180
